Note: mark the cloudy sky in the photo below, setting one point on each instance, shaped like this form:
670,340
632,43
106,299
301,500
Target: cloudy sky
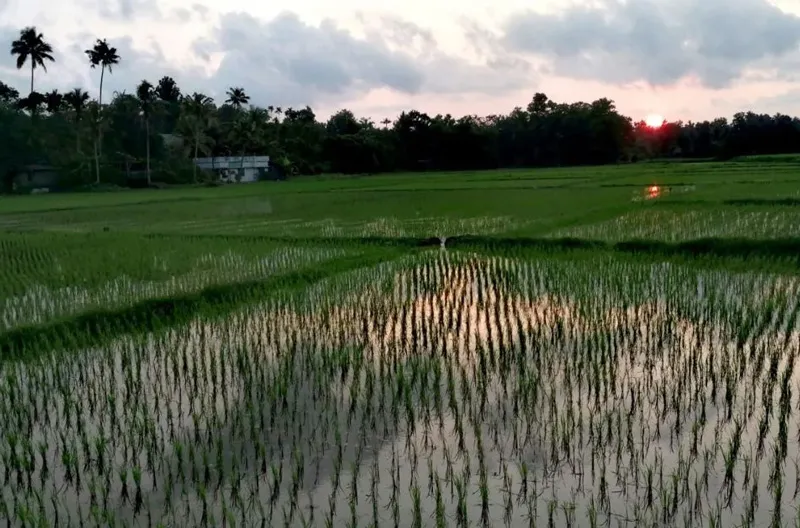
683,59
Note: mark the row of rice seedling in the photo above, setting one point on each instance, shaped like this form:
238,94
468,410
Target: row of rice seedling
384,227
51,277
677,224
91,329
443,389
59,260
302,227
41,304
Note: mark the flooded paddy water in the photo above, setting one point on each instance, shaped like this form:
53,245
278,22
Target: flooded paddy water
439,389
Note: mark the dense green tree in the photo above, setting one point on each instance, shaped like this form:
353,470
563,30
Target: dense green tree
8,95
540,133
33,103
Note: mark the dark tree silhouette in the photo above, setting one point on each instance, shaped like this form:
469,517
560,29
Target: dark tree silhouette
237,97
32,103
105,56
54,101
540,133
31,47
145,93
8,94
77,100
167,90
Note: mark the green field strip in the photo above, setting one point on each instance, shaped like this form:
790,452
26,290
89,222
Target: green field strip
97,327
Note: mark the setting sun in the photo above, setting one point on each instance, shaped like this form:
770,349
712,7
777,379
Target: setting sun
654,120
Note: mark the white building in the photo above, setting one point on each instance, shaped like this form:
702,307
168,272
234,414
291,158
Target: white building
239,169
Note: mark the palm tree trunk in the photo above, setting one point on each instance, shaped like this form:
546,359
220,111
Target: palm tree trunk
96,162
78,136
147,132
100,109
194,161
33,67
100,97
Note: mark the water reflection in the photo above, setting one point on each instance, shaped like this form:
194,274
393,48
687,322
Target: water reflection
481,390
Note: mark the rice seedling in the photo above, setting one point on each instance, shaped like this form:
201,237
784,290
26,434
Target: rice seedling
167,377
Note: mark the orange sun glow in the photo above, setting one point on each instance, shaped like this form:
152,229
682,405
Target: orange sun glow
654,120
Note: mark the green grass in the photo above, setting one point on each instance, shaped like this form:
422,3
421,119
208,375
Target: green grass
523,200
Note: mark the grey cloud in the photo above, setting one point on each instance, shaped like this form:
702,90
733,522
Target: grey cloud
658,41
124,10
182,15
7,35
201,10
203,48
404,33
289,61
496,76
496,71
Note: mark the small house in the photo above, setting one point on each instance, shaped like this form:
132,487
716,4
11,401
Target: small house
236,169
36,176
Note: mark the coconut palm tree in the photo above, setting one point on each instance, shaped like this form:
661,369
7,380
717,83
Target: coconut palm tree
197,112
198,104
77,100
247,135
237,97
54,101
167,90
105,56
31,46
168,96
146,94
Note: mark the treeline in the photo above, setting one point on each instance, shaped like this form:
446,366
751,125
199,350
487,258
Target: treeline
156,130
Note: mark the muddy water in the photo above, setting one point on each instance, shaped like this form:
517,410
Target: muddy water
456,388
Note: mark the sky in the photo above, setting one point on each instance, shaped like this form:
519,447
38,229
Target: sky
682,59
